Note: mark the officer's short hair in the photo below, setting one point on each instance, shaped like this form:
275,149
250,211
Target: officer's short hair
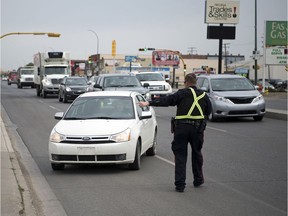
191,78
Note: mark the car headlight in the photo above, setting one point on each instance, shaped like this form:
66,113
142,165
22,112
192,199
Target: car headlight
122,137
167,87
258,98
56,137
222,99
47,82
68,89
148,96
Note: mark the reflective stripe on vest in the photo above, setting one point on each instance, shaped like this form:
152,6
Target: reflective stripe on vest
195,103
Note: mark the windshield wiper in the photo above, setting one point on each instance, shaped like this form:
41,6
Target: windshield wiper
74,118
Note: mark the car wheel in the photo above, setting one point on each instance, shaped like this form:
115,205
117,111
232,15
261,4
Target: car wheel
65,98
44,94
152,151
136,164
56,166
211,117
59,97
258,118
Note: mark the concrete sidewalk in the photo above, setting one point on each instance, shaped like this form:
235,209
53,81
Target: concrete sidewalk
16,198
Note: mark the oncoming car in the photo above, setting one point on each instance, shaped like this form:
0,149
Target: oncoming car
232,96
103,127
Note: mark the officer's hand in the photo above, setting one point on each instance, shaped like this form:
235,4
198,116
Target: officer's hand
143,103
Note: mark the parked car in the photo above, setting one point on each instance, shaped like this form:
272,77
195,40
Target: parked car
268,86
282,85
121,82
156,83
104,127
12,77
232,96
71,87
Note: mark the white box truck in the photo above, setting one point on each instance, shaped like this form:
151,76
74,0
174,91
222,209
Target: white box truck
49,70
25,76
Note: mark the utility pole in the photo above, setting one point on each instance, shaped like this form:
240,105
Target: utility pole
255,50
225,51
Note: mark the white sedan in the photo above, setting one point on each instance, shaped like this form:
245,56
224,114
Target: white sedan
105,127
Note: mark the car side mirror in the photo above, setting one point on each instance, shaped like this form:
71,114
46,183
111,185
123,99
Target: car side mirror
205,89
146,85
145,115
97,86
59,115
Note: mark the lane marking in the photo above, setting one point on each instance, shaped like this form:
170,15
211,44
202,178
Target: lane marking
217,129
165,160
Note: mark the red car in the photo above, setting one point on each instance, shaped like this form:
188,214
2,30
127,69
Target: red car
12,77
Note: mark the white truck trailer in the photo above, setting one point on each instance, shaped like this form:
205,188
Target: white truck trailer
49,70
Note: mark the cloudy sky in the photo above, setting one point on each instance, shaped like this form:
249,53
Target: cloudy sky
161,24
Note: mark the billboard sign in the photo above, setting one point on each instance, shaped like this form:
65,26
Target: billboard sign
165,58
276,33
276,55
222,12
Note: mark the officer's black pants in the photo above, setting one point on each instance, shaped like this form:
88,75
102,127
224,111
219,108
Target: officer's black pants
183,134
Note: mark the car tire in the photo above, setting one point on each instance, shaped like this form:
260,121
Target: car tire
44,94
65,98
57,166
258,118
136,164
211,117
59,97
152,151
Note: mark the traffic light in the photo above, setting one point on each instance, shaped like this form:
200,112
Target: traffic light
90,59
146,49
184,67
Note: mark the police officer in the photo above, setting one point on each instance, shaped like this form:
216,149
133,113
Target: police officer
193,107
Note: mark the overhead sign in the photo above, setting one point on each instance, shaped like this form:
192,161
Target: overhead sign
130,58
276,33
165,58
222,12
276,55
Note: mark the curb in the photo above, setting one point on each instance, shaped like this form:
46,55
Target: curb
276,114
42,198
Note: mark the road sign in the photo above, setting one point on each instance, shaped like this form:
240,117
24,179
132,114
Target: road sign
130,58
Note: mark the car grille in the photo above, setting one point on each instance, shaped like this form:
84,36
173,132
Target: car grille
28,79
242,112
56,81
89,158
242,100
87,140
157,88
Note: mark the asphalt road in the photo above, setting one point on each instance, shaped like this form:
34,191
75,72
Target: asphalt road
245,167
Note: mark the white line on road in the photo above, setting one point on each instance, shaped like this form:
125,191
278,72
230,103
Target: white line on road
212,128
165,160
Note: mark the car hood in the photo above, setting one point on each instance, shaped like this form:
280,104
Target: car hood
155,82
93,127
77,86
140,90
252,93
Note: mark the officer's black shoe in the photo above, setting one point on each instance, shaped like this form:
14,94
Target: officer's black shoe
179,189
198,184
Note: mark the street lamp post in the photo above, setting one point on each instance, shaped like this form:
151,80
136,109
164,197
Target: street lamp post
97,39
49,34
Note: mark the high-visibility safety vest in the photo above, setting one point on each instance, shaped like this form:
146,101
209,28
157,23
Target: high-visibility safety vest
195,104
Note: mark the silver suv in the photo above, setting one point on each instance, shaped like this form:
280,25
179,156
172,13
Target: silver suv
121,82
232,96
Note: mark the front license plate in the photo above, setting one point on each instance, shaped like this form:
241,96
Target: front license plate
86,150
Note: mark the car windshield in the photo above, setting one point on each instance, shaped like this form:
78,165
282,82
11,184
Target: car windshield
149,77
103,107
76,82
121,81
27,72
55,70
231,84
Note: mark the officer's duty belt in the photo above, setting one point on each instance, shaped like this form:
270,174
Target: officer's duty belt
188,121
